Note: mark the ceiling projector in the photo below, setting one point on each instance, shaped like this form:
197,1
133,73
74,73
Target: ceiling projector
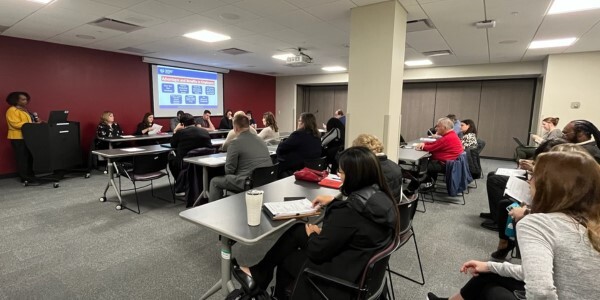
299,60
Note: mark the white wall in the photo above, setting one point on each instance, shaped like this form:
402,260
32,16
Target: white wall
286,85
572,78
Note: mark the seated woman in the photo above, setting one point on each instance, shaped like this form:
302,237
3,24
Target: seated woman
227,121
559,239
353,230
271,131
252,122
391,170
303,144
333,141
551,132
107,128
146,125
469,138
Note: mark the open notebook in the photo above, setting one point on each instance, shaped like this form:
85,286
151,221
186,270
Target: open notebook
290,209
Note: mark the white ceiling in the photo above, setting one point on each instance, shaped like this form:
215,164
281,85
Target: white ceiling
268,27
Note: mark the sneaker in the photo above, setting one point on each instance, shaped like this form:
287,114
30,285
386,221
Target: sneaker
432,296
427,187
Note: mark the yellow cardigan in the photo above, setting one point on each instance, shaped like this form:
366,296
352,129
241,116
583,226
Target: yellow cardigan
15,118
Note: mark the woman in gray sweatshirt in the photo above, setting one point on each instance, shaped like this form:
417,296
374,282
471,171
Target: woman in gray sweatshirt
559,240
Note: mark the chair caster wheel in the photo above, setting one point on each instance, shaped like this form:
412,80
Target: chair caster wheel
55,185
25,183
87,175
102,199
118,207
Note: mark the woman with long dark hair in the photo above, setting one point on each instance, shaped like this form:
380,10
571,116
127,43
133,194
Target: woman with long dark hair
227,120
469,138
145,126
559,237
303,144
353,230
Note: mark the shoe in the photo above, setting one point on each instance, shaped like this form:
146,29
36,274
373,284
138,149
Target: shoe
485,215
427,187
432,296
490,225
501,254
180,194
247,282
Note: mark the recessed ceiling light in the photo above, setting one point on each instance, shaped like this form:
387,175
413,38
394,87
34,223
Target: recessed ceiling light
85,37
552,43
207,36
334,69
283,56
41,1
229,16
567,6
422,62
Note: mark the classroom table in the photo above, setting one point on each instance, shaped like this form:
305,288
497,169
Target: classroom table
410,157
212,161
110,154
227,217
128,138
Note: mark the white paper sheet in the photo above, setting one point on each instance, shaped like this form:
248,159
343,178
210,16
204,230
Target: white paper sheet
518,189
213,160
290,208
155,128
127,136
511,172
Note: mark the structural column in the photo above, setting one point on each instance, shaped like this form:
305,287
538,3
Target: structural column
377,42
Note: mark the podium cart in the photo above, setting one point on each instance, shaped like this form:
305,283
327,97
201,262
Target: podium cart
55,150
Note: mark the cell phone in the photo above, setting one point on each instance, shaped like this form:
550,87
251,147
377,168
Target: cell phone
509,208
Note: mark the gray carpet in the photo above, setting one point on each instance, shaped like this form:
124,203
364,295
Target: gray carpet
63,244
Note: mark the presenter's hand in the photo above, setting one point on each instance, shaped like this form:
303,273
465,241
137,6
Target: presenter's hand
419,146
322,200
474,267
310,228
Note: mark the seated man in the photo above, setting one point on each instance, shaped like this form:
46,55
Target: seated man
187,137
205,121
447,147
176,121
245,153
580,132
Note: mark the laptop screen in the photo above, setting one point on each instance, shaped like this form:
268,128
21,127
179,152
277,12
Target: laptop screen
58,116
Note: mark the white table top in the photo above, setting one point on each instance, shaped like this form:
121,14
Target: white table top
131,151
125,138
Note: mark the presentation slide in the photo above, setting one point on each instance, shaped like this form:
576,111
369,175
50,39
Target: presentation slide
192,91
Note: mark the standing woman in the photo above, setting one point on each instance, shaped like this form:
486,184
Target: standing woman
469,139
227,121
146,125
107,128
353,231
16,116
271,131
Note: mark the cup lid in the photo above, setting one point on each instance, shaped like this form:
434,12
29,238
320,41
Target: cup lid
254,192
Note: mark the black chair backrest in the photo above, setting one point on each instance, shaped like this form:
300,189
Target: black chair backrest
262,176
375,270
480,145
145,164
407,211
423,162
319,164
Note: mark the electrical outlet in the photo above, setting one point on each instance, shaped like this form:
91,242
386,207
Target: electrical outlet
575,105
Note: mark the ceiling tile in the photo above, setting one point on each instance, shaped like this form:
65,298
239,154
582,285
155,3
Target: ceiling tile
426,40
261,26
367,2
70,37
289,36
590,41
300,21
160,10
197,6
11,11
332,11
415,12
266,7
308,3
136,18
567,25
33,32
86,7
269,44
120,3
220,12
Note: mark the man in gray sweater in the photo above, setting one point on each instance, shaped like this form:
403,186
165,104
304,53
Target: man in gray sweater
246,153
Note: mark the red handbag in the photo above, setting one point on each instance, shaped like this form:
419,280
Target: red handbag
310,175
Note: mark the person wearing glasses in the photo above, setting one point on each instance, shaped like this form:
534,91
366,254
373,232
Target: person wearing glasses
581,132
303,144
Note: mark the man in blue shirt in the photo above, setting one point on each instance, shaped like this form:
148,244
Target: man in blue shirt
456,125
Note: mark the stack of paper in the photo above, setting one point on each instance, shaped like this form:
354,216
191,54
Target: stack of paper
287,209
518,189
155,129
511,172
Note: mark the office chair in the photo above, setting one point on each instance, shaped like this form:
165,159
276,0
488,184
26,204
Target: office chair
261,176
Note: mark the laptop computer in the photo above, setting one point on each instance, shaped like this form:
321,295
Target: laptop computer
519,142
58,116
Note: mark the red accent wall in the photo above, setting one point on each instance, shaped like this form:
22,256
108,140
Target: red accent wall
87,82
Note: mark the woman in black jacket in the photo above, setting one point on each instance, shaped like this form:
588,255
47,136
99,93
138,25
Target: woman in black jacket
107,128
353,231
146,125
227,121
303,144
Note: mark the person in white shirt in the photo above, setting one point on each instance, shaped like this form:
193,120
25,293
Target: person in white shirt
271,131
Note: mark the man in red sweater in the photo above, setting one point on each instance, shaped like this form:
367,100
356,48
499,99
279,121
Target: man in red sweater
447,147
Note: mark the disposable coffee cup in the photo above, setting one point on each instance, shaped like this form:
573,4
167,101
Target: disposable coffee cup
254,200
